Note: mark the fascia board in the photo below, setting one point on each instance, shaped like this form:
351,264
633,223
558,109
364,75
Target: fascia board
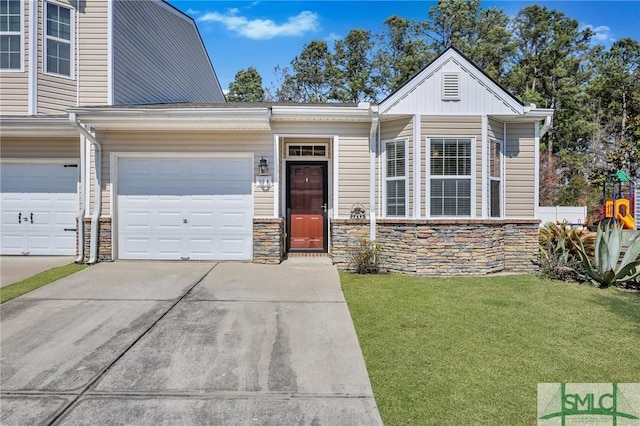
183,118
36,126
326,113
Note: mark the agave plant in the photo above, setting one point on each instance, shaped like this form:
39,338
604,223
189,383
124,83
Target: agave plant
607,268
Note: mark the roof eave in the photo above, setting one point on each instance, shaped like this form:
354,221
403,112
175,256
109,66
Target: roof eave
36,126
175,119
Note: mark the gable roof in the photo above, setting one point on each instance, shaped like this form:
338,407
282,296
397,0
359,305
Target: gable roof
415,91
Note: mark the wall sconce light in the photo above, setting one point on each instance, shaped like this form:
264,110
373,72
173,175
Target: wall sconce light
263,167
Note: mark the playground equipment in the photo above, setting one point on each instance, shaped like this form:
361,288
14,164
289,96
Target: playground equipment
619,208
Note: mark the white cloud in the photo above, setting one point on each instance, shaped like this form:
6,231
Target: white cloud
333,37
264,29
602,33
192,12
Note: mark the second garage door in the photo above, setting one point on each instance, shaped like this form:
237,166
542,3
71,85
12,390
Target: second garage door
185,208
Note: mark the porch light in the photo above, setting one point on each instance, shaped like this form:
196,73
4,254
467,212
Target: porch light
263,167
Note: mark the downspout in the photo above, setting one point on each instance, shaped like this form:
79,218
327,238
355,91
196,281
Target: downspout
97,204
545,126
82,205
372,172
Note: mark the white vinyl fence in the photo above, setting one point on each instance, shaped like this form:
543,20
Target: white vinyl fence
572,215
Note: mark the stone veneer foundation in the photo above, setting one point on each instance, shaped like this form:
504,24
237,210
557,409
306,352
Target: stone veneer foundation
415,247
104,239
443,247
268,240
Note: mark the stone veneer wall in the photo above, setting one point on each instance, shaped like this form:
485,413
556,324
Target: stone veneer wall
268,240
104,239
440,246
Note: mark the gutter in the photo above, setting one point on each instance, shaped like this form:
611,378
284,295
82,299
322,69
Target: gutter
97,204
372,171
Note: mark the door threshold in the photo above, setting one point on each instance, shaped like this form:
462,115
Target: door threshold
307,254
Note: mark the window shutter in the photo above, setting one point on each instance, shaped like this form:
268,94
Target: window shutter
450,86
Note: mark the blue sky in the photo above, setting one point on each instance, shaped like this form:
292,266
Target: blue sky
263,34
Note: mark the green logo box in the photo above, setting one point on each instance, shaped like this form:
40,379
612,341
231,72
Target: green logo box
572,404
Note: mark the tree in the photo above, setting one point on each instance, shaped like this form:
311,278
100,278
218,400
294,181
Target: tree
313,75
353,60
481,34
401,54
546,70
247,87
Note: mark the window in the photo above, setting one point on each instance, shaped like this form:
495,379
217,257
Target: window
450,180
495,178
10,35
307,150
58,40
396,178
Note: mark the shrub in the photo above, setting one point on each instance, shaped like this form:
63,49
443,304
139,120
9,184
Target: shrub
364,257
607,267
558,255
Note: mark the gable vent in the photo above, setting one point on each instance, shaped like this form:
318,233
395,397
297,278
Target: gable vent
450,86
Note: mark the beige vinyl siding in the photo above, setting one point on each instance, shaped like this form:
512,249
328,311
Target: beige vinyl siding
159,57
40,148
454,126
55,94
495,130
92,67
398,129
259,143
14,93
520,174
353,175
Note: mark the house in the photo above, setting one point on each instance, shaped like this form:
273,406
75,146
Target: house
65,53
443,174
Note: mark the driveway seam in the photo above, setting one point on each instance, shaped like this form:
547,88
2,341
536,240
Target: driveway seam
101,374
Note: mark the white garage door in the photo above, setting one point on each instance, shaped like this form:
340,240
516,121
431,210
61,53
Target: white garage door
197,209
39,205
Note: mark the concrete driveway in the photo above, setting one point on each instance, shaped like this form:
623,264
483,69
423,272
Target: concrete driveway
184,343
17,268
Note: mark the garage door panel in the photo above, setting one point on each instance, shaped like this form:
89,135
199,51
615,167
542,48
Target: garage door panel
44,197
213,196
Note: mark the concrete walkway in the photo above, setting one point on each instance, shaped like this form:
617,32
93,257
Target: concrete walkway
17,268
186,343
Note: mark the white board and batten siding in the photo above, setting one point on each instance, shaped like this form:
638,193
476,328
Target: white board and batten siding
159,56
426,94
189,208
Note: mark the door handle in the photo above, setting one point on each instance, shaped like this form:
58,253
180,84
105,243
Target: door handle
31,217
19,217
324,207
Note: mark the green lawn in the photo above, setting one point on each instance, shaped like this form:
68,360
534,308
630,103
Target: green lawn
43,278
472,350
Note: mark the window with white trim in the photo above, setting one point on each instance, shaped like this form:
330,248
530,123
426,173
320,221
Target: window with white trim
10,35
495,178
450,176
58,40
395,179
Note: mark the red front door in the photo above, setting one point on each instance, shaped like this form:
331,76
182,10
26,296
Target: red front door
307,206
